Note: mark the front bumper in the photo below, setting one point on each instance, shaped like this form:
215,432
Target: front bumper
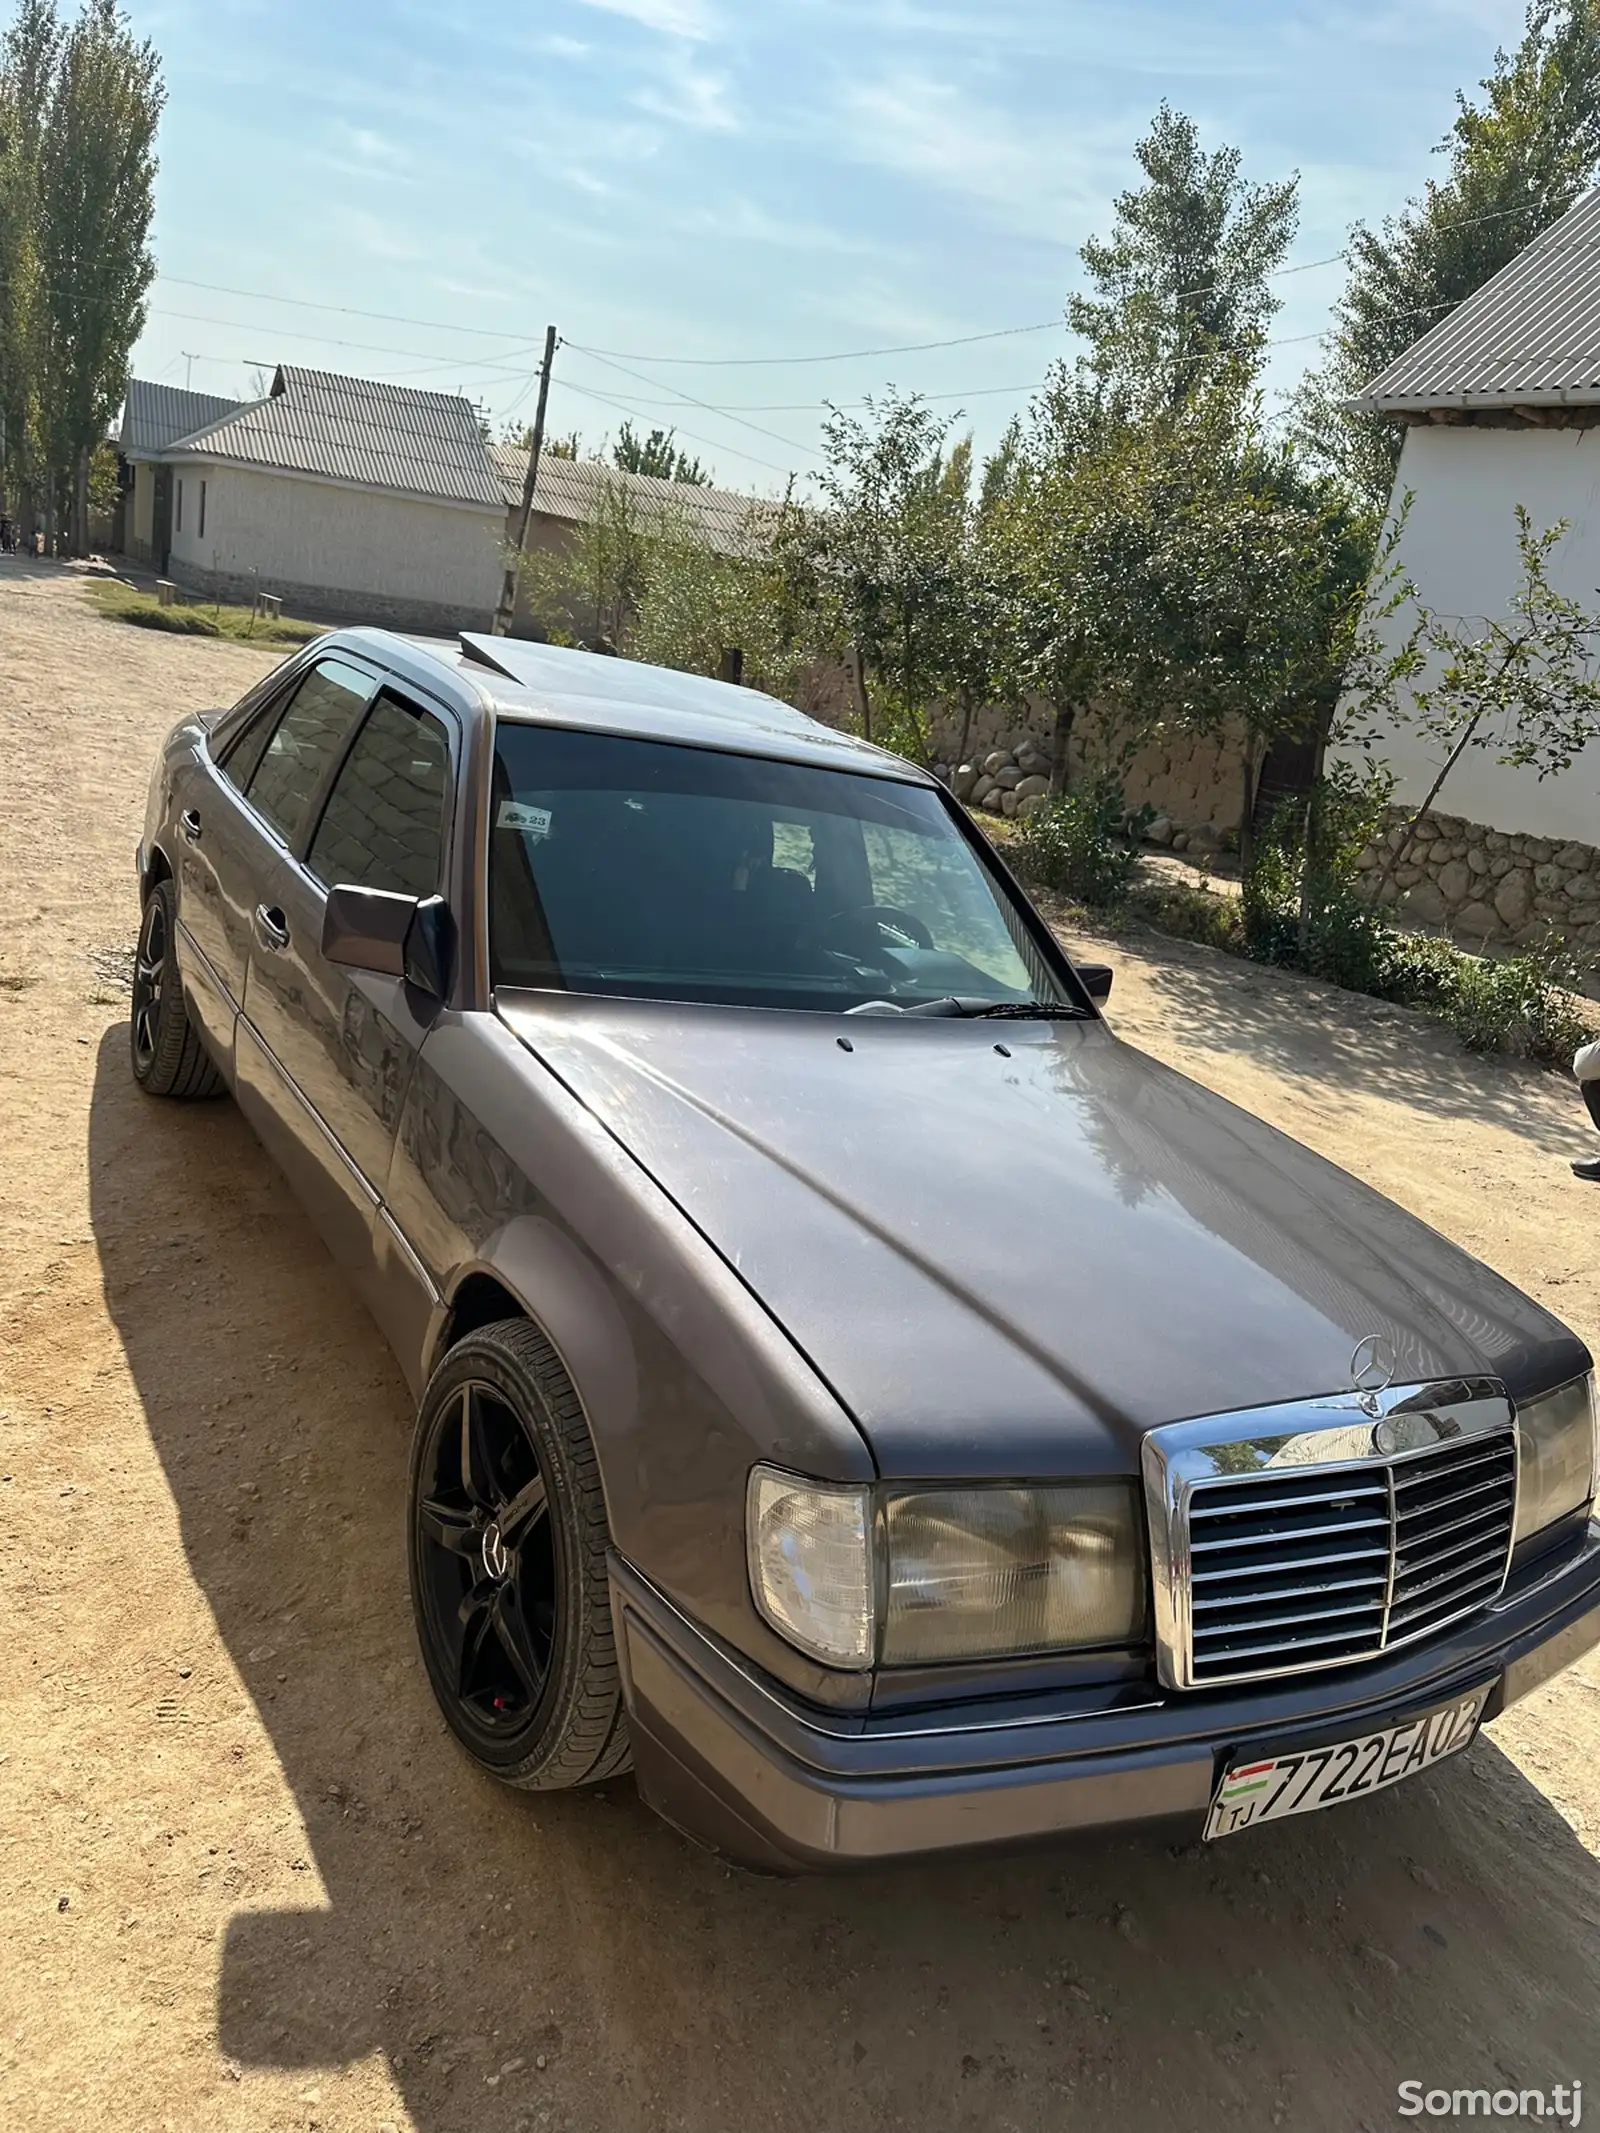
740,1764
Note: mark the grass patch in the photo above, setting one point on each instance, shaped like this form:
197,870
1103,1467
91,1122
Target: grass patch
124,603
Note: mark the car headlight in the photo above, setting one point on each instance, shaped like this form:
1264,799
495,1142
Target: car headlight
1555,1455
810,1549
940,1575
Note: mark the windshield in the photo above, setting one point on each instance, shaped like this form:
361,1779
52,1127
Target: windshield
665,872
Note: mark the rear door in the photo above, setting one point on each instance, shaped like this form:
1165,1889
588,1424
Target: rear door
223,854
334,1048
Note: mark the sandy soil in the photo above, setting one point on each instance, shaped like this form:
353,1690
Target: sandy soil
247,1882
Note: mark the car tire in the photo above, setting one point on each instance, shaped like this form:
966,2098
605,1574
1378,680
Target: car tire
507,1545
167,1055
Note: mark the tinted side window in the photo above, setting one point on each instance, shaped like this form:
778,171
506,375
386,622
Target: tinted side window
245,750
383,826
304,742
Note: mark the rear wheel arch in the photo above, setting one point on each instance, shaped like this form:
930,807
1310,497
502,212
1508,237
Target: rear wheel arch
158,867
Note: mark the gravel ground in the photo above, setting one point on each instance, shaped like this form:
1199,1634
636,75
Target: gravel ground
246,1880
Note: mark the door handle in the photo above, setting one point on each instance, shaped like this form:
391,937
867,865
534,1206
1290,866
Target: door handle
189,823
272,926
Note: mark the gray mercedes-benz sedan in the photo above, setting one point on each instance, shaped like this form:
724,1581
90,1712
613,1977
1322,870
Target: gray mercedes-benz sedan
854,1387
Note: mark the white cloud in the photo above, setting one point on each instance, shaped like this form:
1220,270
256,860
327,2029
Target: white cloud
1025,177
374,148
375,238
746,222
558,47
586,181
686,96
672,18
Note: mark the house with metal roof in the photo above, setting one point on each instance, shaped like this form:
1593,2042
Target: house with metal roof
345,496
154,417
1501,406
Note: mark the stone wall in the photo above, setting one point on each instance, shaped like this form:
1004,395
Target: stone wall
1488,887
1193,785
1012,779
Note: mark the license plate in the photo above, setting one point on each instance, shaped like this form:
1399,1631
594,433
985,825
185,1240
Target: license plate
1266,1790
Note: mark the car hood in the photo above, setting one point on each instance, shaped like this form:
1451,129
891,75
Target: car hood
1014,1248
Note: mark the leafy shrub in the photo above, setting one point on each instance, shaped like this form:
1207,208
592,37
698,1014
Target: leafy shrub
1421,971
1306,857
1189,913
1080,843
1521,1005
1516,1004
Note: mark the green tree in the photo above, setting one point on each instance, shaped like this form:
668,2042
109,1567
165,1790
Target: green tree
586,589
521,433
1526,684
28,63
700,599
96,192
1185,272
875,565
658,455
1517,159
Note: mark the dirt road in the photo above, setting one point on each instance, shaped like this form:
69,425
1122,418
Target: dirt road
246,1880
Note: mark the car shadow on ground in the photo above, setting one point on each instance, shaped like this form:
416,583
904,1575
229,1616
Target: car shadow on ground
567,1961
1342,1045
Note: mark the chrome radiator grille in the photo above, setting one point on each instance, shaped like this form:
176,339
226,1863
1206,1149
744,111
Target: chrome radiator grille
1331,1542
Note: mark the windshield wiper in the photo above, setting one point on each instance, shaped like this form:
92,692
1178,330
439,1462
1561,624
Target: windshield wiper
954,1004
1023,1011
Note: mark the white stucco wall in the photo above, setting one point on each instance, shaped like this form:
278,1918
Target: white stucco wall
322,534
1460,548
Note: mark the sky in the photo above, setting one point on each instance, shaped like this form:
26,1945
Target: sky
710,197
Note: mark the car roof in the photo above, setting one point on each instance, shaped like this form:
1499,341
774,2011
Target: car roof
552,684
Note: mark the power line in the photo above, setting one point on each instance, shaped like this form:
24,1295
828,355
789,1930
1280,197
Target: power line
999,333
291,333
307,303
622,407
691,401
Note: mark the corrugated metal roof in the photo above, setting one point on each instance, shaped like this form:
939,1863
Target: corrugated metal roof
1531,335
155,415
572,488
357,430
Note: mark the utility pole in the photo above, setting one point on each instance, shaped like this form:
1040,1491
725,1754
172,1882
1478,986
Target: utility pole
504,613
188,375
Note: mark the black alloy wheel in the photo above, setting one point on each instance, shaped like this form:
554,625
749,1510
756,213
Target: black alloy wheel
508,1581
488,1562
167,1056
149,974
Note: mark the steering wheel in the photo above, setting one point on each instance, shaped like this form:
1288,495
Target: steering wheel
877,916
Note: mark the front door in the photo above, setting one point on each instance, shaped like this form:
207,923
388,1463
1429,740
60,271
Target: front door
340,1043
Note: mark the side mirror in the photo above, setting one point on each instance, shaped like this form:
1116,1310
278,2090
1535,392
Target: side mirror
1096,978
365,929
430,948
392,935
